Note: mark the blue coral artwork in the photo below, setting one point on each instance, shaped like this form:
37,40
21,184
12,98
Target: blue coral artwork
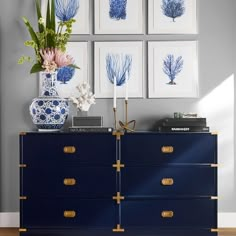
172,68
118,9
65,74
118,65
173,8
66,9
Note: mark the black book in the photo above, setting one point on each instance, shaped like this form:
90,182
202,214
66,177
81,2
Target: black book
180,122
184,129
91,129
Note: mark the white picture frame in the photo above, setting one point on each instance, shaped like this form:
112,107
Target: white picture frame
173,69
103,85
82,24
108,20
79,52
161,19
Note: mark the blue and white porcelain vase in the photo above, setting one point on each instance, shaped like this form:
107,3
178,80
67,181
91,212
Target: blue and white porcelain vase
48,111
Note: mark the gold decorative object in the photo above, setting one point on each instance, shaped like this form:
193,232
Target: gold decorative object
167,149
23,198
118,134
118,198
69,149
22,230
214,197
215,165
69,214
167,181
22,165
69,181
118,165
118,229
125,126
215,230
167,214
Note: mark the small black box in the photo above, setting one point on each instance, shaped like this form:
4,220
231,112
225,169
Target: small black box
87,121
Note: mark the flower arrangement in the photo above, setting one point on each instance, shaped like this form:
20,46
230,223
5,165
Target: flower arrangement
49,43
86,97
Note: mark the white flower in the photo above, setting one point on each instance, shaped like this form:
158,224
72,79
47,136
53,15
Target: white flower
41,21
85,98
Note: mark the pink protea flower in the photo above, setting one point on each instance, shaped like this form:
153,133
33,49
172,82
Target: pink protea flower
62,59
48,54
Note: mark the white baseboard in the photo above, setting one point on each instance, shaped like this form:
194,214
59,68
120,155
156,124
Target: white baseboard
12,219
9,219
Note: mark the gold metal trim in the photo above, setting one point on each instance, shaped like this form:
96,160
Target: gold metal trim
118,229
167,181
215,230
22,133
118,198
214,133
214,197
69,214
167,214
167,149
118,165
22,230
118,134
22,166
23,198
214,165
69,149
69,181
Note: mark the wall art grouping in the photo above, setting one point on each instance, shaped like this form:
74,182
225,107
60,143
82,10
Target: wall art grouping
127,16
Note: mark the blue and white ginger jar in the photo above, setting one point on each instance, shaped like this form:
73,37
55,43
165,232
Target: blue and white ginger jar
48,111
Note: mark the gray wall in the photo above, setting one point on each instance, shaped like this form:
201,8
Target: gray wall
217,47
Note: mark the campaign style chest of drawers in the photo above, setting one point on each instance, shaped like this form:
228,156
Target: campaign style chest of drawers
103,184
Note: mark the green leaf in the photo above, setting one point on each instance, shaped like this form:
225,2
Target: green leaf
31,30
39,14
53,20
36,68
74,66
48,17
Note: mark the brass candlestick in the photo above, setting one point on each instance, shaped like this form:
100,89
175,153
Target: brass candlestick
115,120
127,123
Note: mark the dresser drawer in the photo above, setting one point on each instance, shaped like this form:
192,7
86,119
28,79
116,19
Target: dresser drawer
169,213
179,148
68,213
68,149
70,181
166,180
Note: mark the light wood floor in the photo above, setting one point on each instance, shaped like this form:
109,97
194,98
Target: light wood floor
14,232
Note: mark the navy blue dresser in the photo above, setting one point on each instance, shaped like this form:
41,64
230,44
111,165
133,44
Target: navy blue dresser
103,184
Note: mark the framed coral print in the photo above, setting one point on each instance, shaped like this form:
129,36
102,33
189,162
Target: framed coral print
67,77
121,62
118,17
67,9
172,17
172,69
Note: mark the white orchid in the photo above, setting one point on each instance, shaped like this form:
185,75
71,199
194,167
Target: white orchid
85,99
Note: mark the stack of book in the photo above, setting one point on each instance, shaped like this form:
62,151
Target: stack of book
182,125
88,124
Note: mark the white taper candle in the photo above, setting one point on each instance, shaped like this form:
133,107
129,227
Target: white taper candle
114,99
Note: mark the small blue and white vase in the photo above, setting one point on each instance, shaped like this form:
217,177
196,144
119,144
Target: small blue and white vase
48,111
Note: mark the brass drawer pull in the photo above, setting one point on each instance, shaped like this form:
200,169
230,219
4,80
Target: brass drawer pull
167,214
69,214
69,149
167,181
167,149
69,182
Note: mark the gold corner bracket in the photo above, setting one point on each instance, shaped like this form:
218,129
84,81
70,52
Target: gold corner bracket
214,133
23,198
215,230
118,166
22,165
118,134
22,230
118,198
118,229
22,133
